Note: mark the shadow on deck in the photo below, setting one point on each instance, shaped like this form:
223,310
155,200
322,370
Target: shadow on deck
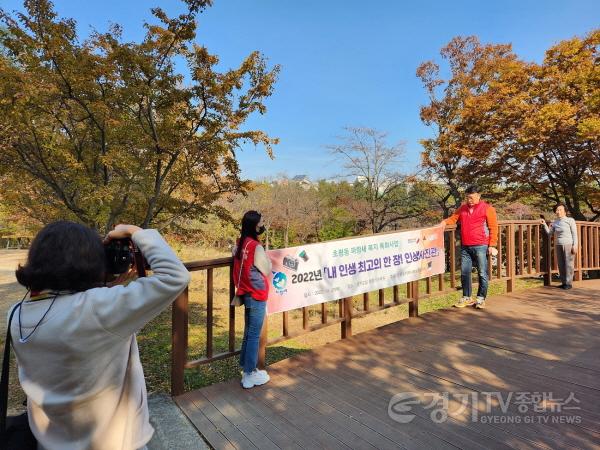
532,357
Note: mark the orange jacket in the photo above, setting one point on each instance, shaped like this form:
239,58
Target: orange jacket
478,225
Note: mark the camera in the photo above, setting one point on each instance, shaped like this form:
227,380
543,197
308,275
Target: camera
123,254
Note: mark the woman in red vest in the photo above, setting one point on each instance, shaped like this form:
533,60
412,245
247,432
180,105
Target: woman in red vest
251,269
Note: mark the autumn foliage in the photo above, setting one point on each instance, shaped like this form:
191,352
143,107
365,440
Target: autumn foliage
530,129
104,130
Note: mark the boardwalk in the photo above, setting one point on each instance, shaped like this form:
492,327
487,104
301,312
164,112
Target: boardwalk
539,341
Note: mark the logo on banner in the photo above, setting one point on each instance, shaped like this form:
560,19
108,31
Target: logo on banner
291,263
280,282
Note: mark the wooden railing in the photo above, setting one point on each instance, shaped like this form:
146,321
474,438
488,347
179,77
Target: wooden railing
523,251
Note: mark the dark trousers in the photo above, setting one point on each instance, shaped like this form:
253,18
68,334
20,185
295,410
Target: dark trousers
566,263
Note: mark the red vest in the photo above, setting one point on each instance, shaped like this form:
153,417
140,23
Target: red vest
247,278
473,225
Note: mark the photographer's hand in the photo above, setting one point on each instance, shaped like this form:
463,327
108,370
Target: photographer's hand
121,231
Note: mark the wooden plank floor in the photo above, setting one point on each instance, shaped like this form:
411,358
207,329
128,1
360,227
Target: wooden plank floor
538,341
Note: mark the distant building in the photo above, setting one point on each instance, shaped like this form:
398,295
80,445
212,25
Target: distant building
383,184
301,180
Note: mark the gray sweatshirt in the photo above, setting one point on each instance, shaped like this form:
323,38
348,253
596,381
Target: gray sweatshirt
564,231
81,368
261,260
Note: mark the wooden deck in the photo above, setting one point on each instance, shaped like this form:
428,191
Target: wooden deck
538,341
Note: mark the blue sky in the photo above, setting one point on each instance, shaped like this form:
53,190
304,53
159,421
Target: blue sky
345,62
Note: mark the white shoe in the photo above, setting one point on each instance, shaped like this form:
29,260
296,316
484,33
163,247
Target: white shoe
256,378
480,304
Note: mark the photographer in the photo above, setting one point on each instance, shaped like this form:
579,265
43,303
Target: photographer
75,341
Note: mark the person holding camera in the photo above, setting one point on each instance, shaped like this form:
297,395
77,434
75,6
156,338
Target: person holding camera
564,230
478,237
251,269
75,339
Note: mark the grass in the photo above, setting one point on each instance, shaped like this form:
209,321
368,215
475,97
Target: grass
155,338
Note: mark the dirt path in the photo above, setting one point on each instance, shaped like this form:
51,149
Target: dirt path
10,291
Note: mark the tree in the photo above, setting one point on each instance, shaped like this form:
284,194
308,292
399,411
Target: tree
523,126
288,209
451,155
104,130
379,184
338,211
553,146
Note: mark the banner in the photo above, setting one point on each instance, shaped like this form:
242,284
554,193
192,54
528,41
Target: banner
316,273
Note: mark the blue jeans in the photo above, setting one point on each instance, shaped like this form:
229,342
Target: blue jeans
477,254
254,316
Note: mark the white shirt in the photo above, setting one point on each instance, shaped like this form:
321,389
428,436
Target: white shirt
81,368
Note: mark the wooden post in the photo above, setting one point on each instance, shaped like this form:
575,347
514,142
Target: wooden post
510,259
179,340
341,316
548,258
584,246
209,313
529,250
231,312
413,306
578,260
262,344
452,259
521,251
500,252
286,322
538,265
347,323
595,247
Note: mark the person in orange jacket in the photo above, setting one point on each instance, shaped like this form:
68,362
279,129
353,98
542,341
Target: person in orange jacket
479,237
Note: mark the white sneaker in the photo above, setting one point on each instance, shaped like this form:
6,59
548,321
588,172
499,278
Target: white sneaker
256,378
480,304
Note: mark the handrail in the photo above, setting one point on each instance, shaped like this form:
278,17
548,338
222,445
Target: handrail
524,250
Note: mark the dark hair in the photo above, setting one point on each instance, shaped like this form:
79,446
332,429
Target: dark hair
249,223
473,189
64,256
559,205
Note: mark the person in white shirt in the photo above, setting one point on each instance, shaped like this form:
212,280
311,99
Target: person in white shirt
74,339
